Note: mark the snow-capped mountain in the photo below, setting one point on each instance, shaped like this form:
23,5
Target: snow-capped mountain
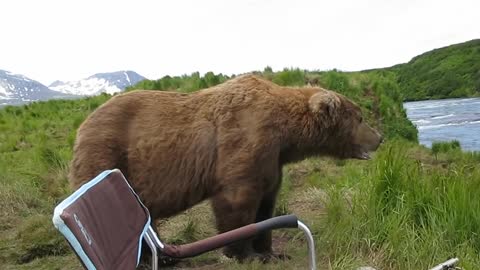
109,83
18,89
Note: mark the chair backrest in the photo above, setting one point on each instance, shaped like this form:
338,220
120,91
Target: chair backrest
104,222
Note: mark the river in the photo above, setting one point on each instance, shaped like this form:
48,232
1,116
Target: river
446,120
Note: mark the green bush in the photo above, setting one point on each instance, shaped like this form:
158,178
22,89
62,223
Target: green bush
337,81
184,83
289,77
443,147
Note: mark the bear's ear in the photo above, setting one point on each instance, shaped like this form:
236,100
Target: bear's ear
324,102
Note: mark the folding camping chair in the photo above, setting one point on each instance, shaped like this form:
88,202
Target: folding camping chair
104,221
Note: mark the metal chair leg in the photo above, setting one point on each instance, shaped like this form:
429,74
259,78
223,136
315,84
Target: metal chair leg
153,248
311,245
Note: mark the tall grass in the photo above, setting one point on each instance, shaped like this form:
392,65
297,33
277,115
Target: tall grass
404,215
35,150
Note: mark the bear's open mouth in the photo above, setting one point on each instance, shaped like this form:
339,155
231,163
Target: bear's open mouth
362,154
365,156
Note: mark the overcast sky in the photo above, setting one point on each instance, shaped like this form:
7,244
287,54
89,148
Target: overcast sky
51,40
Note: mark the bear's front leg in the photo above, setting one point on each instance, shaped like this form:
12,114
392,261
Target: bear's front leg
263,242
235,207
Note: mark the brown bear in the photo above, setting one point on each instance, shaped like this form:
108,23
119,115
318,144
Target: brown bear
227,143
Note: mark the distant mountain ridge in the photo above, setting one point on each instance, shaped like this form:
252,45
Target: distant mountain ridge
110,83
18,89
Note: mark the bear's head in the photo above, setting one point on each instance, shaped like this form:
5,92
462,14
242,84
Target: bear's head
343,130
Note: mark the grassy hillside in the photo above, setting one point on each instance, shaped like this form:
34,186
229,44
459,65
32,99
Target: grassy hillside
408,208
449,72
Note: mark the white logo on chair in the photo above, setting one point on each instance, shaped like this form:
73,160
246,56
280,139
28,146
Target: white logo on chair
84,231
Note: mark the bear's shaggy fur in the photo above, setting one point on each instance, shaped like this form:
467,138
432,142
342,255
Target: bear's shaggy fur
227,143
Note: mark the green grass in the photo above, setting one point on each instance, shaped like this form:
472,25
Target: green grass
407,214
35,149
408,208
